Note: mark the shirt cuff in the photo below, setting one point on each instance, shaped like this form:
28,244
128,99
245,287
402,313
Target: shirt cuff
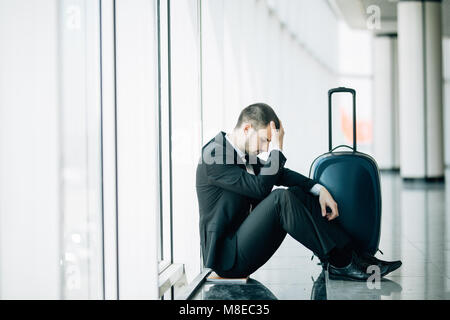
315,190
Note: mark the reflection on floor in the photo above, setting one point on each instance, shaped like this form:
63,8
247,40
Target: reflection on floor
415,229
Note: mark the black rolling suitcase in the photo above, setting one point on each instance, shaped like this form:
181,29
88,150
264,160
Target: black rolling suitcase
352,178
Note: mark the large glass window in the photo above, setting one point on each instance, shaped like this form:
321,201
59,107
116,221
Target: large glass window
136,75
80,128
50,164
186,139
165,131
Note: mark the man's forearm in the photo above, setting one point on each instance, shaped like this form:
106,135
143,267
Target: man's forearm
315,190
290,178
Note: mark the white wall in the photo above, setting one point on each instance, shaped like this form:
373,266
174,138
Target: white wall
283,53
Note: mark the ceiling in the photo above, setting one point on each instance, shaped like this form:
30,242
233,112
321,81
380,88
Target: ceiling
354,12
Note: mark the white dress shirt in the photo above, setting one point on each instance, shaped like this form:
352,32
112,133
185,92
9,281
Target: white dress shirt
315,190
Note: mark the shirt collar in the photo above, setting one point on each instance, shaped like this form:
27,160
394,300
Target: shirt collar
238,151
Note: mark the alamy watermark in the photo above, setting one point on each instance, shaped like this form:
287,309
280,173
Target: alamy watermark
219,152
374,281
373,21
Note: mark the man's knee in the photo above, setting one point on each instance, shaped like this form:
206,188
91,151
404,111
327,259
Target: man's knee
282,194
290,197
278,193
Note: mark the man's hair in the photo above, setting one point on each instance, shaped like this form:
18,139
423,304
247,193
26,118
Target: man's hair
259,115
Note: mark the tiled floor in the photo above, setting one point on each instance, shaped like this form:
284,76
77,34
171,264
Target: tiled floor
415,229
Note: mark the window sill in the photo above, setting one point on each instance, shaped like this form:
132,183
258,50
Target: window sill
169,277
189,290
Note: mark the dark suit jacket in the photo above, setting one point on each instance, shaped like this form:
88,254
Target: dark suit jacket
225,191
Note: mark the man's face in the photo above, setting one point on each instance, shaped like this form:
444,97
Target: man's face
257,140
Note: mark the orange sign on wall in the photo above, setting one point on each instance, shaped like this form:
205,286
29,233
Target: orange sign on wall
363,128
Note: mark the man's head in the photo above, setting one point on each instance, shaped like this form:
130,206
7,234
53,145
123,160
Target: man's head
252,131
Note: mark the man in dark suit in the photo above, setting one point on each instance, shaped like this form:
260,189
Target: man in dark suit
243,222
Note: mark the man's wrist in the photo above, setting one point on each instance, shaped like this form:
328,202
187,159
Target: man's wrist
315,190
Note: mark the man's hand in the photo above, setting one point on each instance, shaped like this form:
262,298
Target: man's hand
326,200
277,135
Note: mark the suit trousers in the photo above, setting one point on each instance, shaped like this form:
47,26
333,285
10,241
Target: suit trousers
284,211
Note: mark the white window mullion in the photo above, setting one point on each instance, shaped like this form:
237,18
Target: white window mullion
137,147
109,151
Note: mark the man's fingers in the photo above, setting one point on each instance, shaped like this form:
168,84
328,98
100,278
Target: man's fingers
324,210
334,212
335,209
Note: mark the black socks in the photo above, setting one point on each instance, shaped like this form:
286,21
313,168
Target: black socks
340,257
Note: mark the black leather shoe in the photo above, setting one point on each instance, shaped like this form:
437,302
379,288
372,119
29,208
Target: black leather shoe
368,259
356,270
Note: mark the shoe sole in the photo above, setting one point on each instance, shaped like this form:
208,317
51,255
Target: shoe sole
336,277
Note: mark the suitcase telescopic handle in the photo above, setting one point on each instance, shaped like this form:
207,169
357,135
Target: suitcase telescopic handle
330,93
